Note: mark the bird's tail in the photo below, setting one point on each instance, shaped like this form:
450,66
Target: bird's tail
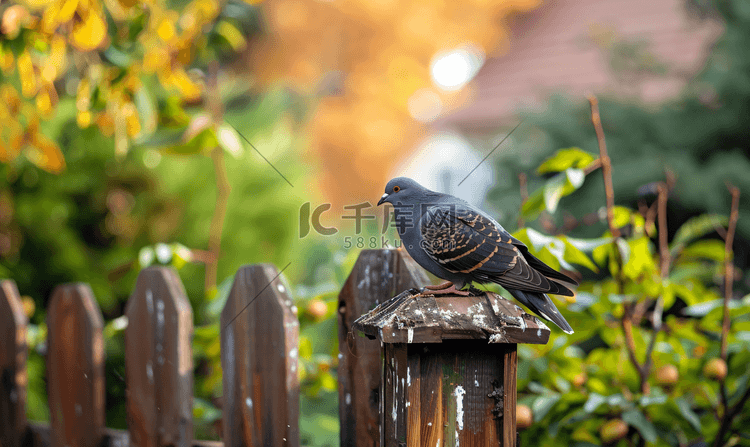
542,305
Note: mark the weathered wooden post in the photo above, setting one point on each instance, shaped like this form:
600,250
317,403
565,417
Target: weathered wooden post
13,376
75,367
259,356
449,368
376,275
159,361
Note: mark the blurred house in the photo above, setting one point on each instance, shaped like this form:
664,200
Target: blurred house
645,49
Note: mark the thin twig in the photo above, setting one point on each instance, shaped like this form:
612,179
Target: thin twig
729,266
729,413
606,164
223,188
665,262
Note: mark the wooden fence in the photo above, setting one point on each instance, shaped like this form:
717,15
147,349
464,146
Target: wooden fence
259,348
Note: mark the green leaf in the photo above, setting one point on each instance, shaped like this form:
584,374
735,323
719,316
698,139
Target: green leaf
588,245
708,249
566,158
643,425
560,186
229,140
204,411
622,216
538,240
687,412
695,228
593,402
202,142
147,115
576,256
553,192
542,405
533,205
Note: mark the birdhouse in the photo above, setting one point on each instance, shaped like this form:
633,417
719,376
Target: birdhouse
449,367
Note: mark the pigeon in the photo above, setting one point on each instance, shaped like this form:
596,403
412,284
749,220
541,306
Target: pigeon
459,243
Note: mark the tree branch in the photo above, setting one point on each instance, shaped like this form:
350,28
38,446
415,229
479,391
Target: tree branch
729,413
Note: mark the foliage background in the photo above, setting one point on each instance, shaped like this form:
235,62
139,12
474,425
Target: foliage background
101,163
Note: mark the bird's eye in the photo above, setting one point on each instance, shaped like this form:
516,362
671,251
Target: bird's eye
396,188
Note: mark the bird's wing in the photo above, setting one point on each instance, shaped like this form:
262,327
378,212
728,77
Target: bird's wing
464,241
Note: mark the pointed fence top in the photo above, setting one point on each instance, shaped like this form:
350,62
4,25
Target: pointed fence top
410,318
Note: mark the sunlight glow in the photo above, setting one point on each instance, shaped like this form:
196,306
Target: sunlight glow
452,69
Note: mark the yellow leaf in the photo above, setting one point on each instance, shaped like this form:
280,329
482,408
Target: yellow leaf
189,89
55,61
67,10
83,96
84,119
44,103
27,75
46,154
106,124
6,61
89,33
49,19
166,30
155,58
132,125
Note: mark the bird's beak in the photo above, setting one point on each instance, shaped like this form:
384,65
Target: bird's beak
382,199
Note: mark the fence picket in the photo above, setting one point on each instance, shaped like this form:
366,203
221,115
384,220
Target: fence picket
75,367
377,275
259,347
158,361
13,354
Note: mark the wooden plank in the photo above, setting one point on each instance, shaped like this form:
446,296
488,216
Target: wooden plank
377,275
75,367
159,361
259,358
13,374
453,403
510,369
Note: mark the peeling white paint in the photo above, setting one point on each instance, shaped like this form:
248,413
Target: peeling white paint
150,372
476,383
293,353
522,323
538,332
410,335
429,424
478,319
348,398
366,280
408,376
459,393
495,338
540,323
249,402
281,288
341,356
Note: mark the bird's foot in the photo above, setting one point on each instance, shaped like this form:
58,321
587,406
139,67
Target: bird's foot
446,288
